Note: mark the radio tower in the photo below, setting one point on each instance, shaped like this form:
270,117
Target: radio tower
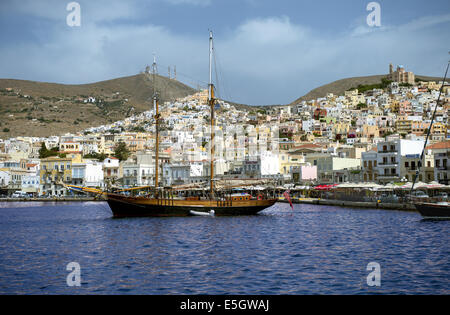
169,72
175,72
154,72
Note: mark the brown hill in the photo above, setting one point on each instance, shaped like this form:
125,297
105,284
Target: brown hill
43,109
339,87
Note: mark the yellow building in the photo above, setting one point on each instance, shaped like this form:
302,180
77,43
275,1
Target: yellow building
70,147
136,141
341,128
403,125
288,160
369,132
54,171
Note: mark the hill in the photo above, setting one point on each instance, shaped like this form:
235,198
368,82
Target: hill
339,87
43,109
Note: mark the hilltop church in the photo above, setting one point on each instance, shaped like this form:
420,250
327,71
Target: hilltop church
400,76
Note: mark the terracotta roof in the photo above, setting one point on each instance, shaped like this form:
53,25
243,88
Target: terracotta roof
439,145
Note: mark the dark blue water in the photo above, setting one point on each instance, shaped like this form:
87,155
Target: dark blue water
313,250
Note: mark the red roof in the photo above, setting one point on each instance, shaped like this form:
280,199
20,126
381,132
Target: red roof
439,145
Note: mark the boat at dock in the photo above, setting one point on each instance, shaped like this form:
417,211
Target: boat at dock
440,210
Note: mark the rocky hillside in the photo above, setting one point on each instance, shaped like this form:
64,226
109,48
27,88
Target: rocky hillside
43,109
339,87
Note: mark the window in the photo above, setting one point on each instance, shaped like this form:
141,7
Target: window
406,164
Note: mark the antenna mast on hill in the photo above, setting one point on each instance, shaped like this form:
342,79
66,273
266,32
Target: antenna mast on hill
156,113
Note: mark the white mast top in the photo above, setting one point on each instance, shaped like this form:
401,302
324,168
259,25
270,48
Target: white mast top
210,62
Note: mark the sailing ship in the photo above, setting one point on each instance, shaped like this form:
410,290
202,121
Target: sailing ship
431,210
164,202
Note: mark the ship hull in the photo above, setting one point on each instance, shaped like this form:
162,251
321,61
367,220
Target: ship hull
122,206
433,211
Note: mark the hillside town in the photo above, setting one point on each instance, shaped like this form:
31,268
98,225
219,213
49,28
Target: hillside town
370,134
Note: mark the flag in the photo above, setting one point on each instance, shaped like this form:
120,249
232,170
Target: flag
288,198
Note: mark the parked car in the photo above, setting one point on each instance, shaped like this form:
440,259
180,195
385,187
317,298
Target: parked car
419,195
19,194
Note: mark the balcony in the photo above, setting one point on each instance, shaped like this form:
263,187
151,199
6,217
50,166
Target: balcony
387,163
387,151
388,176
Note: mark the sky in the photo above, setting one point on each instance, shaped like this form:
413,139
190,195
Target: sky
267,51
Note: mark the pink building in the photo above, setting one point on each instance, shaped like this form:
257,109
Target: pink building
303,174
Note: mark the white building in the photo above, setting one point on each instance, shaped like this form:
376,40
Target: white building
87,174
389,157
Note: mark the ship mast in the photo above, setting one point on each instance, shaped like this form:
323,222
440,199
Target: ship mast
211,102
156,116
429,130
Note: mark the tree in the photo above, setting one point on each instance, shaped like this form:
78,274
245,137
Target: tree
45,153
98,156
121,151
361,106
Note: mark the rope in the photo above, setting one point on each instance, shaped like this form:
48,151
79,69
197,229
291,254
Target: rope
429,131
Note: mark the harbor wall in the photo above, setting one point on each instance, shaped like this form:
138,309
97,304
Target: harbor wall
354,204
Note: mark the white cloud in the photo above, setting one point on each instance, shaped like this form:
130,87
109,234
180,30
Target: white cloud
264,60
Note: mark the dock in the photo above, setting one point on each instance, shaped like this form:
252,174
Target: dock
353,204
54,199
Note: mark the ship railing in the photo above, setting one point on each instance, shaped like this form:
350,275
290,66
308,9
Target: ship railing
165,198
224,199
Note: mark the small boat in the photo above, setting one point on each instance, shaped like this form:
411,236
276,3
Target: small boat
204,214
440,210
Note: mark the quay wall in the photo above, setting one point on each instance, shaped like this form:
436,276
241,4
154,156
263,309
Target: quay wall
315,201
62,199
355,204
